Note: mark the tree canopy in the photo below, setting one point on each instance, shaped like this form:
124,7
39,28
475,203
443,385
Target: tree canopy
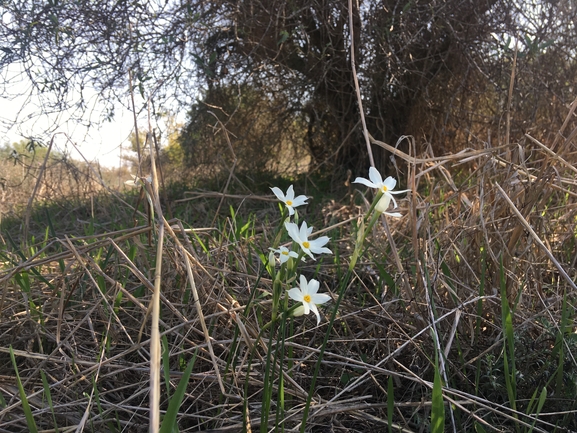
439,69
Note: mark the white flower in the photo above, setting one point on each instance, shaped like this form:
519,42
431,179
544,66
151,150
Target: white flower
137,181
307,294
383,205
289,199
376,181
302,238
284,254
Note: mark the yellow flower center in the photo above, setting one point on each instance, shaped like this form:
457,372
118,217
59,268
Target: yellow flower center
384,188
289,203
286,253
307,298
306,244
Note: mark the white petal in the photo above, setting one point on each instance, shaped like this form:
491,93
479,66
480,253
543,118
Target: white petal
279,194
316,311
321,251
375,176
390,182
308,253
316,246
320,298
304,284
134,182
300,200
304,232
320,242
394,214
293,231
290,193
365,182
313,286
295,294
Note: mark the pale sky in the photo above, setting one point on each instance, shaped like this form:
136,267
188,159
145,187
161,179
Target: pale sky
20,119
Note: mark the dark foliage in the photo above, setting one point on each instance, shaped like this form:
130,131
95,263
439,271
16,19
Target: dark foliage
439,70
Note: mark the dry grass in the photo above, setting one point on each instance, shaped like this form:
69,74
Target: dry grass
77,309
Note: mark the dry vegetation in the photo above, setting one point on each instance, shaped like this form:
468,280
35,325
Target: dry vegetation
479,224
472,288
29,175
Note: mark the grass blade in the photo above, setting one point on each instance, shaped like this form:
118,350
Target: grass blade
542,398
509,350
166,364
169,424
25,405
438,406
49,399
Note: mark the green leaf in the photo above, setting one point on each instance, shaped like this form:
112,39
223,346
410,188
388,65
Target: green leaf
479,428
169,421
48,396
438,408
542,398
166,364
25,405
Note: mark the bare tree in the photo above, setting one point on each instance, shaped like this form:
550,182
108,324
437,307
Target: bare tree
436,69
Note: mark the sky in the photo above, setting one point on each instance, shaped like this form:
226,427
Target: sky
21,118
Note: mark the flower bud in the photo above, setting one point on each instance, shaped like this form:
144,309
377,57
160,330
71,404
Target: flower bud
383,203
271,259
298,311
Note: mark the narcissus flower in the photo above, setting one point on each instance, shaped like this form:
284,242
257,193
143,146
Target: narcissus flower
284,254
301,236
386,186
289,199
307,294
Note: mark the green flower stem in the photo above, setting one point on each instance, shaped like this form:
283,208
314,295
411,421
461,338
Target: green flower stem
271,356
292,267
284,315
285,273
361,236
373,205
364,231
278,235
275,356
342,289
280,411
